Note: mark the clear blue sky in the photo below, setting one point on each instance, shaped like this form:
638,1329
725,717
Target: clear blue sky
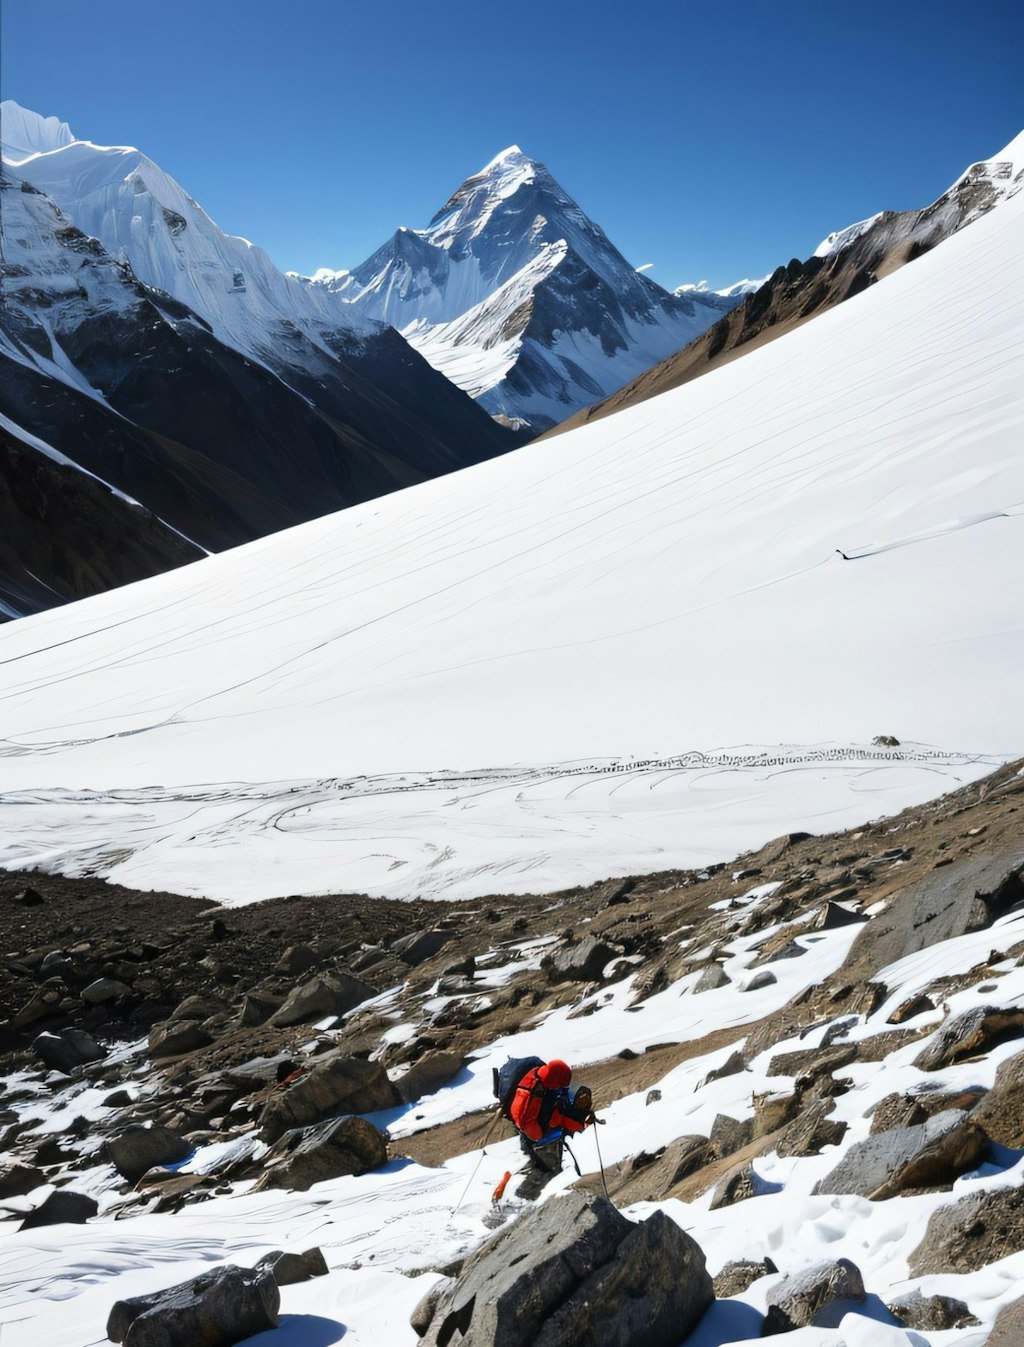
714,139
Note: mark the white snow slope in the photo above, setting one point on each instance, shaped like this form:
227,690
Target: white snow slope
140,214
438,692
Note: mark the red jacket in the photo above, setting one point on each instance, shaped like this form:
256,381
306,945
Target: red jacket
535,1104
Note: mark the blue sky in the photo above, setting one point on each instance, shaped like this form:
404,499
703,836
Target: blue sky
714,140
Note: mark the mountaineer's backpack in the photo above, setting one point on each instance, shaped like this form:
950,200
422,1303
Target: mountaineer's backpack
507,1078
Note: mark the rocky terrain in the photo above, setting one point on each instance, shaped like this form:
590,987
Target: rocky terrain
158,1028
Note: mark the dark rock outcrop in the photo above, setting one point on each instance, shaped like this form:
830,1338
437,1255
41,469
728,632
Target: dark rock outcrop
62,1207
931,1313
288,1269
575,1270
930,1155
584,962
967,1235
737,1276
804,1298
339,1085
68,1050
214,1309
327,994
138,1148
972,1032
347,1146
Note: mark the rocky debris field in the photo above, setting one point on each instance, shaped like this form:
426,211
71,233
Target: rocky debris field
157,1029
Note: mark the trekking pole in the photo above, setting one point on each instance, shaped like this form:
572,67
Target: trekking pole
604,1181
483,1152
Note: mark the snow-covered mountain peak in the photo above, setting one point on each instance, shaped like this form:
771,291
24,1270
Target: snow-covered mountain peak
25,132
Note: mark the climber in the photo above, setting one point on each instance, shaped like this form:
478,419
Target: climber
543,1109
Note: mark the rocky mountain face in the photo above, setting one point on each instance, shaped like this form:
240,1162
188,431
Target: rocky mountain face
176,364
844,264
256,1037
520,299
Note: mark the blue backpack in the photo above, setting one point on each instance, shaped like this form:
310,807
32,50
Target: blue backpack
507,1078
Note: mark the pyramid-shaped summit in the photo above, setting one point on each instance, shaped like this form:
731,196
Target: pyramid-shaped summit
516,295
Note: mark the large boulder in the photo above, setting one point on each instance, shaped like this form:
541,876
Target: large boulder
326,994
1001,1112
573,1271
428,1074
1008,1329
584,962
16,1180
68,1050
62,1207
421,945
139,1147
967,1235
965,896
288,1269
810,1132
214,1309
172,1038
813,1297
650,1176
346,1146
338,1085
930,1155
932,1313
970,1033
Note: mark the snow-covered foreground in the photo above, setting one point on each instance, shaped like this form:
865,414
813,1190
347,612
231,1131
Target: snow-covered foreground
463,835
814,545
380,1233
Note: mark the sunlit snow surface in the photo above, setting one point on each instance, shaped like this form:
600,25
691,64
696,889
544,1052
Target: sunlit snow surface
664,581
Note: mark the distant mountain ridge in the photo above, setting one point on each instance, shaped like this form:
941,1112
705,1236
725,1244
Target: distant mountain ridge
520,298
843,264
177,365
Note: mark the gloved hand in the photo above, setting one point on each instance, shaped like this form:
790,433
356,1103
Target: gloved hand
593,1118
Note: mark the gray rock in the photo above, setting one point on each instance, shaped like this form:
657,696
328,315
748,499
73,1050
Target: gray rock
811,1131
967,1235
288,1269
732,1066
713,977
1008,1329
804,1298
729,1135
420,946
295,960
172,1038
764,978
650,1176
140,1147
970,1033
344,1146
584,962
835,915
736,1277
214,1309
338,1085
936,908
62,1207
104,990
573,1271
739,1185
931,1313
1001,1111
433,1070
17,1180
197,1008
930,1155
424,1311
68,1050
326,994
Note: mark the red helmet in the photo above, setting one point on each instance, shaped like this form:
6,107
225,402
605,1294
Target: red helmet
555,1074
